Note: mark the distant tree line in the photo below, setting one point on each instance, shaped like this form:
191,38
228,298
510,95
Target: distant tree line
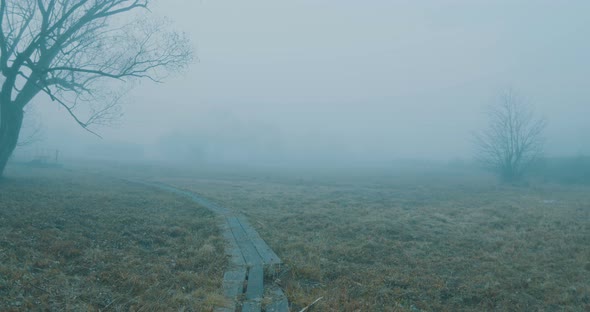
565,170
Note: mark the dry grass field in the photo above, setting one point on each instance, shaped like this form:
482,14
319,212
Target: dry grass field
79,242
417,242
363,242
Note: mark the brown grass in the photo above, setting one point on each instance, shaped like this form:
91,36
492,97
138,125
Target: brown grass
77,242
418,243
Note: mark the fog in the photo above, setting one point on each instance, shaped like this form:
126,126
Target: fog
347,82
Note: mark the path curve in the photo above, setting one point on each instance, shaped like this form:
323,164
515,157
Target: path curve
243,282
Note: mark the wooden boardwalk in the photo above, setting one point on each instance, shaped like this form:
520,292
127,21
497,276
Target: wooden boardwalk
243,283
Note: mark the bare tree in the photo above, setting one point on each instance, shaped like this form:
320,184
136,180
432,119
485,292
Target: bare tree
70,50
513,139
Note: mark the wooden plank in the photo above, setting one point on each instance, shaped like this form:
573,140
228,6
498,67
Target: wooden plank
266,254
255,288
233,287
249,252
232,249
233,283
279,302
278,306
252,306
236,274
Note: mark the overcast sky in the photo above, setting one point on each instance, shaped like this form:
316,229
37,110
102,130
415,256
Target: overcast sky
354,80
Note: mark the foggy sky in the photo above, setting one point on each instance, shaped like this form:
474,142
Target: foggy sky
358,81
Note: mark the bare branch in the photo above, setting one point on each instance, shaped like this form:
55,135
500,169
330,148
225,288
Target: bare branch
67,49
70,111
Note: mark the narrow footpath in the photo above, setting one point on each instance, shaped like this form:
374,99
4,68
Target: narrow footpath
243,283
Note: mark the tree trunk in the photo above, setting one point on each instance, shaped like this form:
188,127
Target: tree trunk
11,120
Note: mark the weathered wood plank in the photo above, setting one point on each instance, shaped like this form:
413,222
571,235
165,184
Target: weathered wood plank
251,255
233,283
266,254
232,289
232,249
279,302
236,274
252,306
255,289
278,306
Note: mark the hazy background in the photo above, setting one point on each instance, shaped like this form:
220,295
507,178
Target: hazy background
348,82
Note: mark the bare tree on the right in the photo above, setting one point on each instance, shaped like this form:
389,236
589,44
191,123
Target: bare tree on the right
513,139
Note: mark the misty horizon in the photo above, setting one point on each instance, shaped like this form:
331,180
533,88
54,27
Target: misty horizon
344,82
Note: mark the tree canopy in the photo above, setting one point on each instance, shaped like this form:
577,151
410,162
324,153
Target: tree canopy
70,50
513,138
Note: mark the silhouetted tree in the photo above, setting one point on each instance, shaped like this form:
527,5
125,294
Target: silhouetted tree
69,49
32,131
513,139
